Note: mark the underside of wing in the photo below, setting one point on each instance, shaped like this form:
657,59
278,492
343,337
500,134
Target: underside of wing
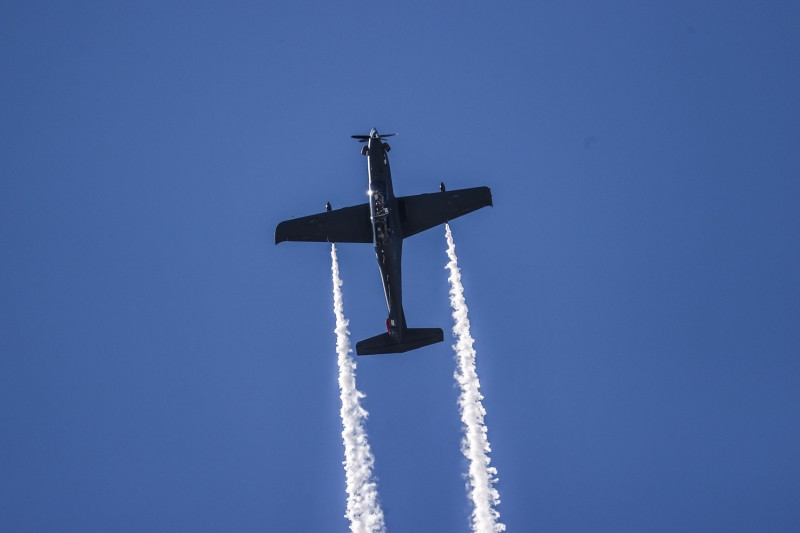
424,211
349,224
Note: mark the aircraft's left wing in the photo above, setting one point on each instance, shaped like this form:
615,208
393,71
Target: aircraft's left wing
348,224
424,211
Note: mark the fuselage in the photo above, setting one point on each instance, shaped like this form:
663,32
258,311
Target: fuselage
386,231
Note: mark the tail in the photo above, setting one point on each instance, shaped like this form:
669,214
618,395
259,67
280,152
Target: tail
412,339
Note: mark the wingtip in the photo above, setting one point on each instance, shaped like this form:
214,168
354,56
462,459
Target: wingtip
278,236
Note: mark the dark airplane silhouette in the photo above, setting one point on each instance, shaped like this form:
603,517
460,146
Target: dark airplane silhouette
385,221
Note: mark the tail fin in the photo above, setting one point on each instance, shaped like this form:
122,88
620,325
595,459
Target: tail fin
413,338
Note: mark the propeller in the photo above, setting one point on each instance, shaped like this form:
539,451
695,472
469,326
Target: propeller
365,138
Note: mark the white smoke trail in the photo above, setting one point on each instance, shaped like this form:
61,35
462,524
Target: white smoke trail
363,510
475,443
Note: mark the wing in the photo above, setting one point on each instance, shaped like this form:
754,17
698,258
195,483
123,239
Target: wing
424,211
348,224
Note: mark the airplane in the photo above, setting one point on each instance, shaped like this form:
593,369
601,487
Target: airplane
385,220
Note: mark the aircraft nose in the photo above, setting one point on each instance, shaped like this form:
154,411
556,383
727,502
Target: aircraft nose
373,132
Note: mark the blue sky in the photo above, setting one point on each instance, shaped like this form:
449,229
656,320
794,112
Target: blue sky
633,292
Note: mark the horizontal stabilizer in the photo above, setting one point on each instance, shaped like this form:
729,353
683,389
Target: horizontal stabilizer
413,338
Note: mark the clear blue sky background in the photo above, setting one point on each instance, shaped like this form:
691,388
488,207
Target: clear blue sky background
634,292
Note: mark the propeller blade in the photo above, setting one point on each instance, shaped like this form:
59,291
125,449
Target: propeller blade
365,138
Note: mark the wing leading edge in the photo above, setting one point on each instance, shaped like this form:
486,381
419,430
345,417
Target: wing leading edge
424,211
348,224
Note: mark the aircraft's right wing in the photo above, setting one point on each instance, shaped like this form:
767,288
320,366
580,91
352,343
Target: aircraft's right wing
348,224
424,211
